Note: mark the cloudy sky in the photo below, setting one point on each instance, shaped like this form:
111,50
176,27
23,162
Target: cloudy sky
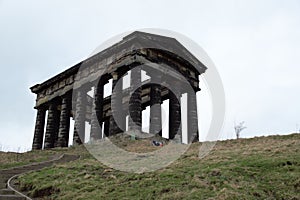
254,44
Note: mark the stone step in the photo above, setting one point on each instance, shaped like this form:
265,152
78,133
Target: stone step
11,197
6,191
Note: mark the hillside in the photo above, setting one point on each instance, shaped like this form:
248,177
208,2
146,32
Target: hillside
256,168
12,159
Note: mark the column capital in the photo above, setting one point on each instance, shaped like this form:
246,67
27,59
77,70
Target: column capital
115,75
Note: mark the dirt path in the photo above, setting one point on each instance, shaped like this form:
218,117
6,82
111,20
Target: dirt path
7,191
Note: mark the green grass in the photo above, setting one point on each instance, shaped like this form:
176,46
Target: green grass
257,168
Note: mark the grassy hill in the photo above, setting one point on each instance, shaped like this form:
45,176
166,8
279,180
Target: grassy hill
256,168
12,159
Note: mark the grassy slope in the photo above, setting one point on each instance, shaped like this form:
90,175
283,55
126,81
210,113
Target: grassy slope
10,159
257,168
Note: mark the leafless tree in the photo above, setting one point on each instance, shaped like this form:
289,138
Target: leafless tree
238,128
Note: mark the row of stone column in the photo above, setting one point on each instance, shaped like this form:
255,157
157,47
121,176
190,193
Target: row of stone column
135,108
58,122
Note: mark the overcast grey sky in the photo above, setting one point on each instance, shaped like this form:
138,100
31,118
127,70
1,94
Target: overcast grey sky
254,44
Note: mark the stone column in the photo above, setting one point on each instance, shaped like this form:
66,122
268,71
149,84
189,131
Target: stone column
39,129
106,127
193,134
97,113
174,115
64,125
155,106
117,120
80,111
135,102
52,126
